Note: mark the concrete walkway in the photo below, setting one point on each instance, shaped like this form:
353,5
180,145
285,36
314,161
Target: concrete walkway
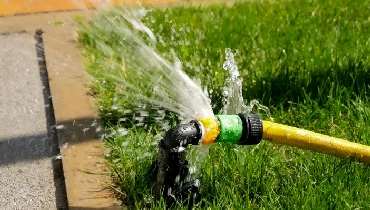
29,172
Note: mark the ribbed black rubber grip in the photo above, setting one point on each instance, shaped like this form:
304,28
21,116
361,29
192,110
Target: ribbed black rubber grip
252,129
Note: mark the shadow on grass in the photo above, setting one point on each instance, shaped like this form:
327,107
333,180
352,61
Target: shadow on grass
277,88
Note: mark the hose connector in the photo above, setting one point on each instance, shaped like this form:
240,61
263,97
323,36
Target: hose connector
252,129
243,129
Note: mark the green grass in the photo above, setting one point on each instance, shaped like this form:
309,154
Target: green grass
308,61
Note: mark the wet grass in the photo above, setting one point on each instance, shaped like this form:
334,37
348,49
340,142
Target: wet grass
308,61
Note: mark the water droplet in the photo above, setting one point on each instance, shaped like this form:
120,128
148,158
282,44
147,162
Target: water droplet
93,124
192,169
122,131
59,127
125,143
98,129
58,157
114,107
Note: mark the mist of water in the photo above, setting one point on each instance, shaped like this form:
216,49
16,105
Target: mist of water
155,84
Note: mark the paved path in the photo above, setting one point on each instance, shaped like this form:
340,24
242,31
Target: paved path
27,146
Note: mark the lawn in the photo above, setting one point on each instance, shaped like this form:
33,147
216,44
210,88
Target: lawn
308,61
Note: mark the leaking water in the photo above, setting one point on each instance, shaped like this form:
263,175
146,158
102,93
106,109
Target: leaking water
233,98
233,101
156,85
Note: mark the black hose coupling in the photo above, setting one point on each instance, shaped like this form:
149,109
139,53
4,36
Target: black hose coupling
252,129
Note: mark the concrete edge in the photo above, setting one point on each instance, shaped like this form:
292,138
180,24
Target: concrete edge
59,181
85,173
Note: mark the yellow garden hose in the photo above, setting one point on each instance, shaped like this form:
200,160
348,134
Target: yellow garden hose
250,129
304,139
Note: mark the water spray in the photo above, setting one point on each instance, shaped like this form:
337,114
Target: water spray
174,184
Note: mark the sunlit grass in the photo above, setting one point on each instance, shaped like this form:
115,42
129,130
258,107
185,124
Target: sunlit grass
306,60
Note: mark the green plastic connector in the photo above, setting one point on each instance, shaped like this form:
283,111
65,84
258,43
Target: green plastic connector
231,128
